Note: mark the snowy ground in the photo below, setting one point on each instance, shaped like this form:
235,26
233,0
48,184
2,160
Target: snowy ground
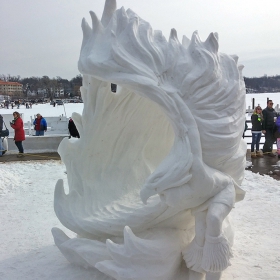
27,249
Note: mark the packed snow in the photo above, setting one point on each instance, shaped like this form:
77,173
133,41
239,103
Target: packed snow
27,249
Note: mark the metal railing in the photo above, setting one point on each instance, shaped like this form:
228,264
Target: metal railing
249,136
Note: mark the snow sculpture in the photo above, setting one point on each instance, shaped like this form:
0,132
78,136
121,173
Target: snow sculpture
159,163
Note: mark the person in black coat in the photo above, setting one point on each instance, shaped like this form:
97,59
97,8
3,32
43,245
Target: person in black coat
1,128
72,129
257,119
1,123
269,117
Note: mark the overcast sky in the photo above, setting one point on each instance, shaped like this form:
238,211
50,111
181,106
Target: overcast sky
43,37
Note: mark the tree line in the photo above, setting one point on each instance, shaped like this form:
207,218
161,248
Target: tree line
72,87
262,84
49,85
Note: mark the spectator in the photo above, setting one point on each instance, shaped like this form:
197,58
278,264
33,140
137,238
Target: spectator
257,119
269,117
277,135
72,129
1,145
40,125
1,122
17,125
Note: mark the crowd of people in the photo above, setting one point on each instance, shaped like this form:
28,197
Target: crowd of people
266,122
7,105
40,127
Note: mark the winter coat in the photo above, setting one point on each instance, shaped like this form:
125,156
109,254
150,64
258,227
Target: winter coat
277,128
256,122
40,124
1,122
17,125
268,118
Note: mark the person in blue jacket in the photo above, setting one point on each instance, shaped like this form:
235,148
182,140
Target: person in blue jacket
40,125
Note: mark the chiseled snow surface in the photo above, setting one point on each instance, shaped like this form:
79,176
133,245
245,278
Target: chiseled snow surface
27,249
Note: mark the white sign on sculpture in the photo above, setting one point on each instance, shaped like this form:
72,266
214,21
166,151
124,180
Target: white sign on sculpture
159,163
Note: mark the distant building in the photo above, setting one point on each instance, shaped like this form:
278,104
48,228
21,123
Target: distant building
10,88
42,92
59,92
30,93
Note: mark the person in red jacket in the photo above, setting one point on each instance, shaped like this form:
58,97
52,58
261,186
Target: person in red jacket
17,125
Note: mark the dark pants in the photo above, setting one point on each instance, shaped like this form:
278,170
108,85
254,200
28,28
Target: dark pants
19,146
269,140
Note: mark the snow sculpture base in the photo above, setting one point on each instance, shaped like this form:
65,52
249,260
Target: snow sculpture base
159,163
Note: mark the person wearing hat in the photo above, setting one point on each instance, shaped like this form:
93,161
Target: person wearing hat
40,125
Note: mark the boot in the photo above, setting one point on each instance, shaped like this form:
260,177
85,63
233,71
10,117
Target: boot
259,154
253,155
20,155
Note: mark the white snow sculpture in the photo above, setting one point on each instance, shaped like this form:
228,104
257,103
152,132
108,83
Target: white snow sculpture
157,168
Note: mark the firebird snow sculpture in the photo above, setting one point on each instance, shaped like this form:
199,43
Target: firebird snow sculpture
159,163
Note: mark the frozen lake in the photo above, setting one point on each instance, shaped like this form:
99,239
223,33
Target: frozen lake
47,110
260,99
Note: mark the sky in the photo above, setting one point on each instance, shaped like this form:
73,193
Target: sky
44,37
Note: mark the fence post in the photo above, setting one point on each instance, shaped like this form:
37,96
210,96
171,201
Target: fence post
29,128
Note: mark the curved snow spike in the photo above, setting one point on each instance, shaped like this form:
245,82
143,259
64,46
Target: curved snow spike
96,25
133,259
109,9
80,251
173,35
86,30
212,43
